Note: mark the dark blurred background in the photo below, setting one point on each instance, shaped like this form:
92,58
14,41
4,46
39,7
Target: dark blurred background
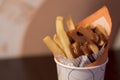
23,25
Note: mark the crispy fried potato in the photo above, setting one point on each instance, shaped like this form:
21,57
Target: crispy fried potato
88,33
86,50
70,23
57,41
63,37
93,48
101,30
52,46
76,49
101,43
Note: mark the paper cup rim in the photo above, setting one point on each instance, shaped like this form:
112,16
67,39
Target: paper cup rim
72,67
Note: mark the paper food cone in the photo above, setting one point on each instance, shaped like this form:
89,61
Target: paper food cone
103,18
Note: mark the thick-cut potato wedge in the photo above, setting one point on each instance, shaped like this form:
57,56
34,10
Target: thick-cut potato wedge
70,23
57,41
63,37
52,46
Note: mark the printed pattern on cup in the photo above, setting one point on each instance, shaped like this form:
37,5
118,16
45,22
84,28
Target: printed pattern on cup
65,73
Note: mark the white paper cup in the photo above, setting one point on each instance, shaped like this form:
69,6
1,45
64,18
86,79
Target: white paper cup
80,73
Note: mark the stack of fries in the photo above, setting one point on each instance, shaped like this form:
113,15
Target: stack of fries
78,40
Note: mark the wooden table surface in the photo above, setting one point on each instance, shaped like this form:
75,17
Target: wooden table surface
44,68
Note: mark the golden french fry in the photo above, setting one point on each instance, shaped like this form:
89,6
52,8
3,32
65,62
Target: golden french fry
76,49
101,30
57,41
52,46
101,43
63,37
70,23
88,33
93,48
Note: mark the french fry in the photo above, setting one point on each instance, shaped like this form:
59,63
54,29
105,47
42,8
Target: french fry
76,49
86,51
93,48
88,33
101,43
101,30
52,46
57,41
63,37
70,23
